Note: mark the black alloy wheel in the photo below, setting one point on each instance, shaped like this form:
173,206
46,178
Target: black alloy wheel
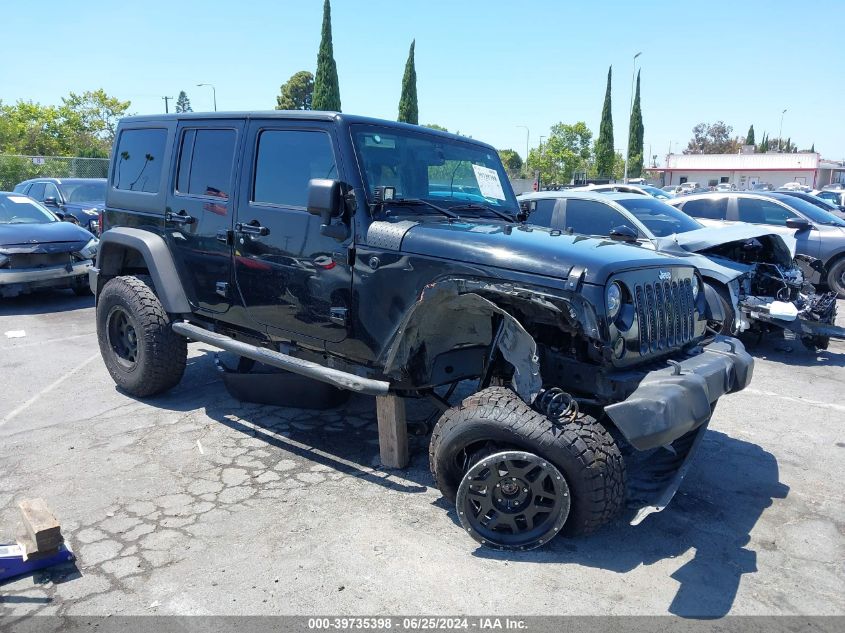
513,500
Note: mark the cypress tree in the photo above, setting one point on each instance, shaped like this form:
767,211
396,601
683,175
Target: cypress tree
326,89
749,138
408,112
813,148
183,104
635,136
605,154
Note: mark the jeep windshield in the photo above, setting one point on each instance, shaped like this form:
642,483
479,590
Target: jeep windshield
436,170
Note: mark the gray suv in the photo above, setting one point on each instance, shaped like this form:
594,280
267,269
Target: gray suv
819,234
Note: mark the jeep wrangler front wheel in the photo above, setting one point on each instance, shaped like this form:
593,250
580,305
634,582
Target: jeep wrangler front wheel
519,478
140,350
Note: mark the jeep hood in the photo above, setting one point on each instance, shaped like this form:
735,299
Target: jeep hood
533,250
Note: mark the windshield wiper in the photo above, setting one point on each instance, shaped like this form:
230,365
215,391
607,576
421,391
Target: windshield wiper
417,201
483,207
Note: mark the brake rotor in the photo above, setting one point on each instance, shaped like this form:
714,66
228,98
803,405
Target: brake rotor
513,500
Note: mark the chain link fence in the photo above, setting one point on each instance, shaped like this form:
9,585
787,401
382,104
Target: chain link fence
14,169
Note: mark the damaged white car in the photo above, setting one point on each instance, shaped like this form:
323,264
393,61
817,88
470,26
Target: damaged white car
752,280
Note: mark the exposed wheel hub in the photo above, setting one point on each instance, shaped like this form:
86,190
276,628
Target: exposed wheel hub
513,500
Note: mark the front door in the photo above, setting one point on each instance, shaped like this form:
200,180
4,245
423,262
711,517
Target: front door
198,215
292,279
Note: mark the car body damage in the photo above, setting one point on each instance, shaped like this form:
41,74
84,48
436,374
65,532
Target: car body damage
421,337
767,286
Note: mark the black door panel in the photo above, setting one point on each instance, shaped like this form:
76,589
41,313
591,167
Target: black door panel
291,278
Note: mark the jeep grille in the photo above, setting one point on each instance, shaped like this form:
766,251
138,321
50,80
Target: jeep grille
665,314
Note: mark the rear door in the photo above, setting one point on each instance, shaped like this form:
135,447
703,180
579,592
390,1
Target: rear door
291,278
198,217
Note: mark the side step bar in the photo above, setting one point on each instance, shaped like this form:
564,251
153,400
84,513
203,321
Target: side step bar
306,368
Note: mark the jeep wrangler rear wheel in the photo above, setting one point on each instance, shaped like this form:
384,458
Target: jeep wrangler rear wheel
142,353
496,420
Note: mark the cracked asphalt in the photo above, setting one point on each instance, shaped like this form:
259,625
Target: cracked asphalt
195,503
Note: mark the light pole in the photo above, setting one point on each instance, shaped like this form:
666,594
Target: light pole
780,131
213,93
541,144
630,112
527,140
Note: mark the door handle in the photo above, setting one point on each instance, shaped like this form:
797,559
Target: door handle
252,228
179,218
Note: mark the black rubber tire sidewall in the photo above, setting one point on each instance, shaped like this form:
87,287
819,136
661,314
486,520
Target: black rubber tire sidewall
834,277
583,451
729,325
162,354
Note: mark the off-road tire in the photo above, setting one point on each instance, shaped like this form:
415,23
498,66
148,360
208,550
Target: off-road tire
836,278
161,353
582,450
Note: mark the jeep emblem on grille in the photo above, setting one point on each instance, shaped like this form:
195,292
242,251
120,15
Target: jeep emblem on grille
664,275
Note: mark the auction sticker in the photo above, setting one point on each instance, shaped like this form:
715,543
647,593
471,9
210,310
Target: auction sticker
488,182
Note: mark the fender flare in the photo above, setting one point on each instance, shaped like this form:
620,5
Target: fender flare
714,303
156,255
468,315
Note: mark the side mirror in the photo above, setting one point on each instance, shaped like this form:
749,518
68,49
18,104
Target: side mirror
325,200
623,233
800,224
50,202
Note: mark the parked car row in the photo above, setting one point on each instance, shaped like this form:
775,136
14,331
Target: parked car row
77,200
752,279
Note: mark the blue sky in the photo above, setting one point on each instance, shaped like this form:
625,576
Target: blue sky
483,66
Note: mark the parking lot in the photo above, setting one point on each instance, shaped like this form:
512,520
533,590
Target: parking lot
194,503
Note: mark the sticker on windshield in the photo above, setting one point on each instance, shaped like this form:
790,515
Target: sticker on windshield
488,182
19,199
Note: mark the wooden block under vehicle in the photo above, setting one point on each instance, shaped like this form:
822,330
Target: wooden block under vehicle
392,431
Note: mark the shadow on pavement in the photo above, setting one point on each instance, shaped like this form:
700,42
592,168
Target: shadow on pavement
792,352
44,302
730,485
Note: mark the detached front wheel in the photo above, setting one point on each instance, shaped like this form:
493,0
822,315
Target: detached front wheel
140,350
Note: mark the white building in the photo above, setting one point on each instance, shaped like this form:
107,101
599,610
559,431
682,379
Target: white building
745,170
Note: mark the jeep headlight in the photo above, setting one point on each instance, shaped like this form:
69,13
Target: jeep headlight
613,300
90,249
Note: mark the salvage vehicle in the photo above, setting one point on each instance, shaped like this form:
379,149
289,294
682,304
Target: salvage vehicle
819,234
594,376
751,280
77,200
37,250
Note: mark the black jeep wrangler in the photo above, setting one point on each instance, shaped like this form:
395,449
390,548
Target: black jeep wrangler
387,259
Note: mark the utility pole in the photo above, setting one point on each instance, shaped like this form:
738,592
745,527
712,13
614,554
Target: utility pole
166,103
630,112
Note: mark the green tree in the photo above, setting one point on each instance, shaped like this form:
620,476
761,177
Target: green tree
813,148
636,133
512,162
749,138
408,111
297,92
94,113
183,104
434,126
326,88
566,150
605,155
712,139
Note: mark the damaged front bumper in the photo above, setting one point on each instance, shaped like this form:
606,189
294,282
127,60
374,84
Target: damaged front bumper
666,416
807,322
672,401
15,280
